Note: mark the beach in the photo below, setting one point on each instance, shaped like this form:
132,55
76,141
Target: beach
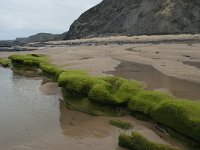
177,59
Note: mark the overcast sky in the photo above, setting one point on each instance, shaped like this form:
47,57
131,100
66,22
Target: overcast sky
21,18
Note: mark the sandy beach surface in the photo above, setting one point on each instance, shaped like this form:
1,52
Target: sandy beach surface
176,56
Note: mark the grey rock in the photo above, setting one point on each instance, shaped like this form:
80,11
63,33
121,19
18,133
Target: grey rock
138,17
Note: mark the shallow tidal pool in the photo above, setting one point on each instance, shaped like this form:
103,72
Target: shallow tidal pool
32,118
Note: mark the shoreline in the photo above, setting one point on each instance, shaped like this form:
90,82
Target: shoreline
122,40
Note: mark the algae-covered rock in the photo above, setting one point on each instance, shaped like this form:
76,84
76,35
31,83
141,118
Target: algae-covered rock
4,62
181,115
146,101
85,105
31,59
121,124
137,142
50,69
110,90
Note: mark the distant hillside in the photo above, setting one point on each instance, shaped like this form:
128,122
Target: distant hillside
42,37
138,17
8,43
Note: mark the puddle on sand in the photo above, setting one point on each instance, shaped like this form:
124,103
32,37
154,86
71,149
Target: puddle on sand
33,120
194,64
155,79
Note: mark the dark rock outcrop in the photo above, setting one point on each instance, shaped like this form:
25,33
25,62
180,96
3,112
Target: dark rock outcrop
138,17
42,37
8,43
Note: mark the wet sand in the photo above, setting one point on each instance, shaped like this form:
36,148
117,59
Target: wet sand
168,58
195,64
176,65
50,88
156,80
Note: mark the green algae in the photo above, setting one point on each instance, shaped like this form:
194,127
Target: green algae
181,115
31,59
83,104
4,62
121,124
50,70
114,91
146,101
137,142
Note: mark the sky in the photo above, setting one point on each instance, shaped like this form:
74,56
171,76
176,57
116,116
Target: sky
22,18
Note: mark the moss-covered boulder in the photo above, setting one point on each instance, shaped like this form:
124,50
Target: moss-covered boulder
30,59
50,69
147,101
181,115
36,60
4,62
76,82
137,142
122,89
107,90
121,124
116,91
85,105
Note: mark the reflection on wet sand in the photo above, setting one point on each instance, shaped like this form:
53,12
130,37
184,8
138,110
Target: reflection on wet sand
50,88
88,128
155,79
30,72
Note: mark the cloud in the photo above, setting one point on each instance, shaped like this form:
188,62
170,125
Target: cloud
19,18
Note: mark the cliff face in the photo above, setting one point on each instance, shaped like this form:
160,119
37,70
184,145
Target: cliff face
138,17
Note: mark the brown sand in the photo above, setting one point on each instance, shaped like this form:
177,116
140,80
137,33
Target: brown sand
166,57
156,80
50,88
